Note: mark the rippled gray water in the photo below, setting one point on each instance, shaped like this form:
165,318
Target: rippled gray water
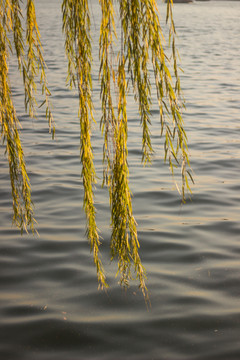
50,307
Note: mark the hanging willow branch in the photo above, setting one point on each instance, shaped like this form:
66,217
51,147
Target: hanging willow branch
124,241
21,194
76,25
107,78
29,66
142,52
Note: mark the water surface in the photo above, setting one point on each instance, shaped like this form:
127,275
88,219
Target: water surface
50,307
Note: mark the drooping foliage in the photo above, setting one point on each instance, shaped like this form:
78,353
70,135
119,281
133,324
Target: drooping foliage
142,50
30,62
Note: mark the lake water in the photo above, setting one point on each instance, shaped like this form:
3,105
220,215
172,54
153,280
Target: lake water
50,307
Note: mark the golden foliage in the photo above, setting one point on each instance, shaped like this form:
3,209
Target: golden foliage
141,49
